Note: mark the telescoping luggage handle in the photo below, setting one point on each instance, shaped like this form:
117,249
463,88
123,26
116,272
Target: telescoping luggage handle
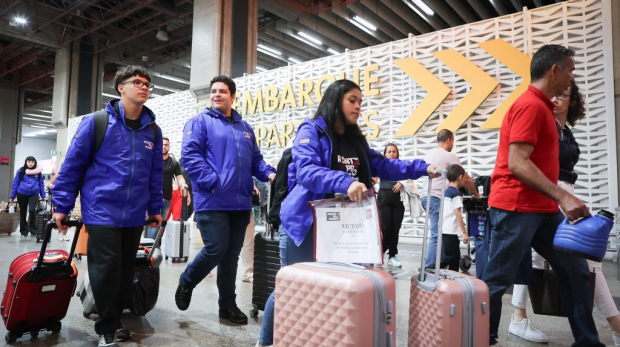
46,239
422,275
157,238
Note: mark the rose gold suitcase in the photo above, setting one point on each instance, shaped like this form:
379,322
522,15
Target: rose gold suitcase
448,310
329,305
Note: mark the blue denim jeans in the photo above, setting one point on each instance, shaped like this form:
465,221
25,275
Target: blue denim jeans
222,233
152,232
512,234
289,255
431,248
483,243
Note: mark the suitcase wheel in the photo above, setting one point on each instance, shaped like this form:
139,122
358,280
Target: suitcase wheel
85,314
465,263
254,312
56,327
34,334
166,257
185,259
38,240
10,337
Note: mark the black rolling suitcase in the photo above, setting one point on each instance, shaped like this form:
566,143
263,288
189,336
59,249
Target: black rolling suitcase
266,263
43,216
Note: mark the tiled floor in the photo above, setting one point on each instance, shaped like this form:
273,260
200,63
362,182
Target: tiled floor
200,325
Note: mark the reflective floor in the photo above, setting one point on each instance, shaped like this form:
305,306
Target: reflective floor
200,325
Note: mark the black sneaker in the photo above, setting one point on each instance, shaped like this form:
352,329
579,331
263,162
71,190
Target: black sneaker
122,334
183,297
234,315
107,340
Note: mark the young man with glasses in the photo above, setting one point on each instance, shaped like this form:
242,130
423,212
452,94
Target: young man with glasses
220,155
119,183
525,196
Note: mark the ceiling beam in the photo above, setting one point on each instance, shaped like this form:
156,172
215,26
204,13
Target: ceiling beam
385,26
481,9
443,11
413,18
389,16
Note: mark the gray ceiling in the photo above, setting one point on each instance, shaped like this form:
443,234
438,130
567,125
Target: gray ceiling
124,31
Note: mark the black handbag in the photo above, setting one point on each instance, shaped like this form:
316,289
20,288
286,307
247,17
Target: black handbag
545,292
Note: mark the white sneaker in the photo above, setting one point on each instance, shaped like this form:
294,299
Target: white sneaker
394,262
526,330
616,338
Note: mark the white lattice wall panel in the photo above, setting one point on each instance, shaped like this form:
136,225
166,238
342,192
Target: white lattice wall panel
582,25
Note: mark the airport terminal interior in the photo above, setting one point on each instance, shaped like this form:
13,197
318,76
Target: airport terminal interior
421,66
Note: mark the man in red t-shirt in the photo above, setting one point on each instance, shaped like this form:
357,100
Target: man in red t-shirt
524,197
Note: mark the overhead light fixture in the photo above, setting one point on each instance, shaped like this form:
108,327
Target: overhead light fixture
306,41
39,126
17,20
260,69
175,79
37,115
310,38
332,51
293,60
110,95
162,35
266,49
364,23
46,111
51,131
145,58
424,7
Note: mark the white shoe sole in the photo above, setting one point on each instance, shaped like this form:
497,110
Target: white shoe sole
528,339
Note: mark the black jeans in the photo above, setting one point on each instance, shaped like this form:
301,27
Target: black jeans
111,265
27,203
452,252
391,213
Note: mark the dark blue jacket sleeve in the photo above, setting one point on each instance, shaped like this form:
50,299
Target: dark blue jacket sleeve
41,187
394,169
260,169
310,173
73,168
194,153
15,185
156,180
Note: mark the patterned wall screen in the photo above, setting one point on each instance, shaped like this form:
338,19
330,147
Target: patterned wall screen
461,78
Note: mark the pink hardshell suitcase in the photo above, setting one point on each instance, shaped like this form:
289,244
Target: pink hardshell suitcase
320,304
448,310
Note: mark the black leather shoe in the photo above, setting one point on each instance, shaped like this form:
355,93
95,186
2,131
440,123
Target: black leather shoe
183,297
234,315
122,334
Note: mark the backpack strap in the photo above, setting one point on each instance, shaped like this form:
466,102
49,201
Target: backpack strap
155,132
101,126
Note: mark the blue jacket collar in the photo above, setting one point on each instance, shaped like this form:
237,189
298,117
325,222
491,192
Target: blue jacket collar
217,114
115,107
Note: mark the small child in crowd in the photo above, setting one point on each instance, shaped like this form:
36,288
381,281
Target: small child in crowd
453,224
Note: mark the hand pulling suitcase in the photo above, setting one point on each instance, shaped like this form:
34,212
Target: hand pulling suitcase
266,264
446,308
176,239
319,304
145,254
43,216
39,288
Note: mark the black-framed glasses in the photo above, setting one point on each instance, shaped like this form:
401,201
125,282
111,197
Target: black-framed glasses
139,84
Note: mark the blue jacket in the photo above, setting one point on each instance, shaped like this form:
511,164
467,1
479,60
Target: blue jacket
124,180
310,177
221,157
30,185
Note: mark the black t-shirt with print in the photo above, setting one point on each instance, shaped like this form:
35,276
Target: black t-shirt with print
346,158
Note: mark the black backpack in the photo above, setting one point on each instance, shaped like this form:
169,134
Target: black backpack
101,126
279,189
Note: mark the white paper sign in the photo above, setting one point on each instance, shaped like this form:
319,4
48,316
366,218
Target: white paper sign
12,209
348,231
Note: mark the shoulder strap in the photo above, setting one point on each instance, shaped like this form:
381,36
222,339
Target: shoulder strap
101,126
155,132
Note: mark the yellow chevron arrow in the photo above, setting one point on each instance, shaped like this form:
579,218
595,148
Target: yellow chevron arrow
481,86
517,62
437,92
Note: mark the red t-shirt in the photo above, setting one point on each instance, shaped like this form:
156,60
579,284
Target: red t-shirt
530,119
